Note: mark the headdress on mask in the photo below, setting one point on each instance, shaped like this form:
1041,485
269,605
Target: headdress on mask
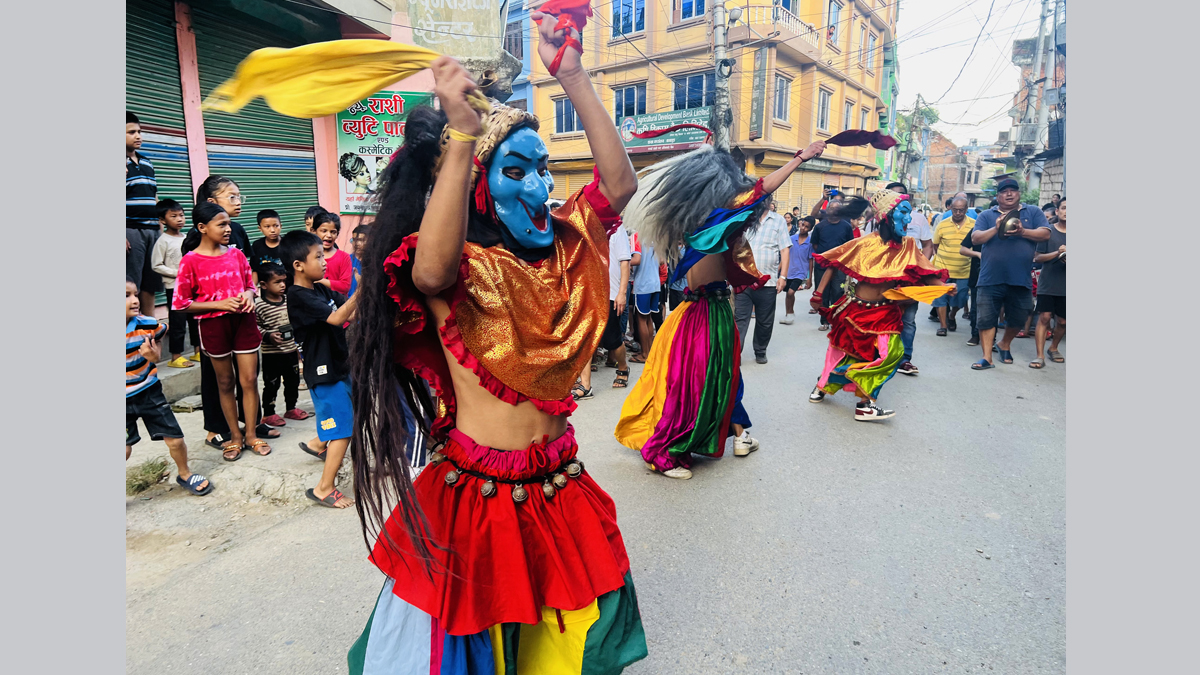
884,201
500,121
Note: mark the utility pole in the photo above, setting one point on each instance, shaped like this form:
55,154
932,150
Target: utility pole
722,116
1039,101
1043,107
908,145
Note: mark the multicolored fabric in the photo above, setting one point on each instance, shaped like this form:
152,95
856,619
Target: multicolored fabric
496,560
683,400
525,330
600,639
140,373
849,372
720,233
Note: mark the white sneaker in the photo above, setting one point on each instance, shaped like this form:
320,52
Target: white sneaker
816,396
869,412
788,319
678,472
744,445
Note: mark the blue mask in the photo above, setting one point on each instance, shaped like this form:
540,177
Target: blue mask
520,185
901,217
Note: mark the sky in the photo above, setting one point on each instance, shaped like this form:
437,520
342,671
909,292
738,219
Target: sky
935,37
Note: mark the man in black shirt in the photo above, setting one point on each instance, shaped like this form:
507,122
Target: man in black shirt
318,315
829,234
974,252
141,216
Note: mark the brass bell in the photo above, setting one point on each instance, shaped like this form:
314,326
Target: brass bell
488,489
548,490
520,494
560,481
451,477
436,458
574,468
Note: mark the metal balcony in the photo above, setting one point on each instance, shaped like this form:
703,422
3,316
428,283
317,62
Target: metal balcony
790,35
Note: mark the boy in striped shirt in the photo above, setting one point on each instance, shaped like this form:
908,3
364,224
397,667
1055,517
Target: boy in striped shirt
144,395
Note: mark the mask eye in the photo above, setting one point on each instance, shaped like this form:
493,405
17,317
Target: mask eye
514,172
542,167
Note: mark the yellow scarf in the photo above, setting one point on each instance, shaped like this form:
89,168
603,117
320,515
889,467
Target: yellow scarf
322,78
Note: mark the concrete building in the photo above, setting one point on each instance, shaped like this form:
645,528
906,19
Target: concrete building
805,70
518,36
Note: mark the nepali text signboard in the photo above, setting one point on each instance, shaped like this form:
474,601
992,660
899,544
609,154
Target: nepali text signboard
459,28
368,132
758,93
683,139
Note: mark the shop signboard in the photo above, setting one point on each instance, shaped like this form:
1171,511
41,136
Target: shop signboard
368,132
683,139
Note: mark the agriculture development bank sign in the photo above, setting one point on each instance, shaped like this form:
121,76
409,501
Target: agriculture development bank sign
683,139
368,132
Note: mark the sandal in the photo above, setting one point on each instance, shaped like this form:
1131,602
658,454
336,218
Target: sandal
622,379
232,452
259,443
580,394
192,484
1023,334
1037,364
1006,356
953,325
1055,356
982,364
941,332
637,358
319,455
824,326
330,499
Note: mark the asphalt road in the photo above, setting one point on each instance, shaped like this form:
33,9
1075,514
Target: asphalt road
932,542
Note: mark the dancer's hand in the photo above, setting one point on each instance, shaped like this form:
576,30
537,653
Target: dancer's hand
814,149
452,84
549,42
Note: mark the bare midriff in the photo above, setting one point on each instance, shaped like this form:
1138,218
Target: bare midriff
872,292
486,419
708,269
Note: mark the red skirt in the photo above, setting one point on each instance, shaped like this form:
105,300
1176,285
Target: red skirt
504,560
855,326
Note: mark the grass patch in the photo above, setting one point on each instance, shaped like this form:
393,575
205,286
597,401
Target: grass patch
145,475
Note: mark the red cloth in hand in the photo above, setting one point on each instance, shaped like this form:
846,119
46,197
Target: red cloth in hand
859,137
577,10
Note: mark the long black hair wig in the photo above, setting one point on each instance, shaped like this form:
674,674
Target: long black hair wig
385,394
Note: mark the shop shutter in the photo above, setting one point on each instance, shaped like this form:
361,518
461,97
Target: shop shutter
152,92
810,190
269,155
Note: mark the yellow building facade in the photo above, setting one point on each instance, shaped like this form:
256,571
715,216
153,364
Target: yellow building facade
804,71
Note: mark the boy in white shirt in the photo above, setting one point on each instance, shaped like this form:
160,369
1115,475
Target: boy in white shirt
164,259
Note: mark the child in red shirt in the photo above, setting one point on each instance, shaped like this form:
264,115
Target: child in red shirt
214,284
339,269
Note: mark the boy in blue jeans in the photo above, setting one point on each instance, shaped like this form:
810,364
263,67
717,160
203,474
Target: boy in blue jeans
318,314
144,397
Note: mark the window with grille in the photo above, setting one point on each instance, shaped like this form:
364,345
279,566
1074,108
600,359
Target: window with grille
513,44
862,43
783,97
628,16
862,118
565,119
871,52
686,9
629,101
848,117
694,91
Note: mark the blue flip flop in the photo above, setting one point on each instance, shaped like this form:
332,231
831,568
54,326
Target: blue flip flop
1006,356
982,364
192,484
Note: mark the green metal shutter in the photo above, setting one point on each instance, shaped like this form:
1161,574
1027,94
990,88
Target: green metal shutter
269,155
152,92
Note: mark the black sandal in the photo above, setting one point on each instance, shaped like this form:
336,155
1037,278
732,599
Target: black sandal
941,332
622,379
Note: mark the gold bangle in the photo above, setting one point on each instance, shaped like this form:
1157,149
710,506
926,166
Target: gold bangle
456,135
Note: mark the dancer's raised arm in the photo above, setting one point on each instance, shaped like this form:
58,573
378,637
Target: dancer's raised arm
617,179
777,177
444,225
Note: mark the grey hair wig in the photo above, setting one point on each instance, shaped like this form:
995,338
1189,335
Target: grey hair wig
675,196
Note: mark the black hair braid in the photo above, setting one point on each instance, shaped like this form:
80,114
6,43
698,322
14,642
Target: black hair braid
380,389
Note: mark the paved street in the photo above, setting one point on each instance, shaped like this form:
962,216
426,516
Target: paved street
933,542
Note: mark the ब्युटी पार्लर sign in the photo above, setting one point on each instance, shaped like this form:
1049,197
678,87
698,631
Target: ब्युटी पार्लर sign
368,132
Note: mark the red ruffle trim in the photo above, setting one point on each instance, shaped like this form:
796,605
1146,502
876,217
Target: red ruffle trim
910,272
855,329
418,360
505,561
609,218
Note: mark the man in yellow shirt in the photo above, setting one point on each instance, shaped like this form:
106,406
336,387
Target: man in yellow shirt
947,239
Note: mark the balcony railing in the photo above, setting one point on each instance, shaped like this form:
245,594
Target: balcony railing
779,16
